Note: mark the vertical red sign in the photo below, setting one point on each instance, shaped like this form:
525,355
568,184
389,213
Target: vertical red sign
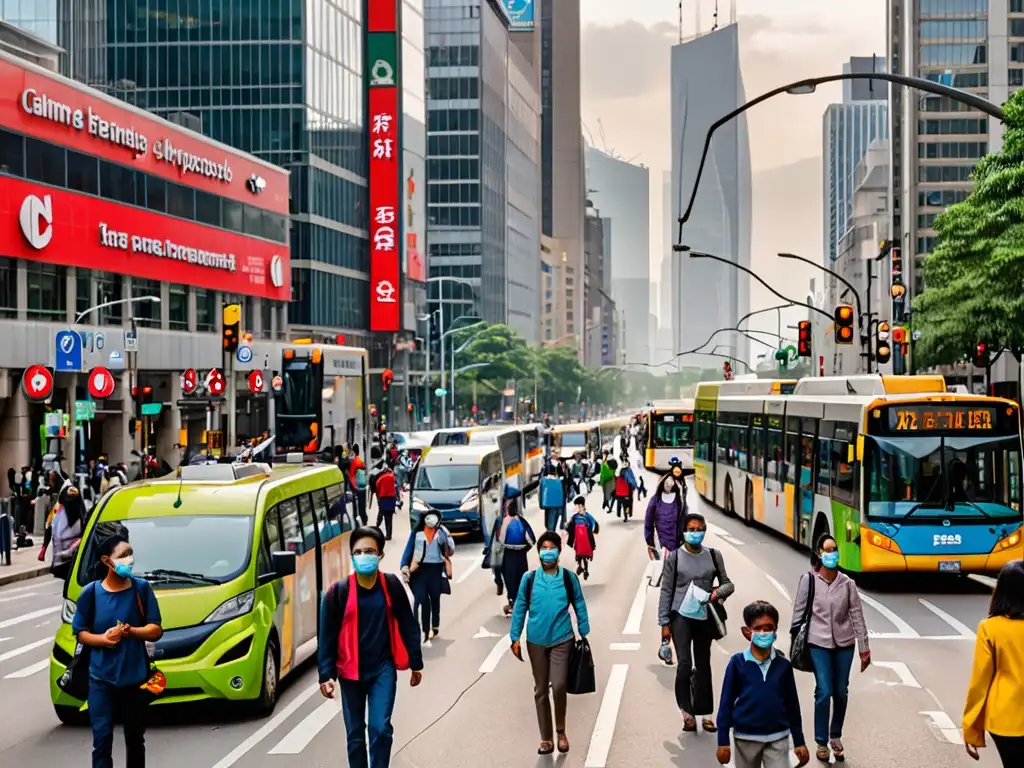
385,247
382,16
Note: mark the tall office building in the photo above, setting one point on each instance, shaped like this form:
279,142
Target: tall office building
847,131
663,280
621,190
974,45
707,296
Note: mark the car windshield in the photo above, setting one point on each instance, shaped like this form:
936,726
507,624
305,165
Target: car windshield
181,550
670,431
448,477
928,477
573,439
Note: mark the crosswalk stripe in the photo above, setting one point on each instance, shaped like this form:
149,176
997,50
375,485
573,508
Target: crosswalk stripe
299,737
29,616
30,670
18,597
267,728
25,649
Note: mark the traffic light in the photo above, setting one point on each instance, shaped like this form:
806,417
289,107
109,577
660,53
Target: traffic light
982,358
231,327
386,378
883,352
804,339
843,317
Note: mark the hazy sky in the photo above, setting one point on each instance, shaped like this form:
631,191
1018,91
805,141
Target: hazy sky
781,41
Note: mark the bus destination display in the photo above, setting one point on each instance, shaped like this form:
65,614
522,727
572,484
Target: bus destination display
942,418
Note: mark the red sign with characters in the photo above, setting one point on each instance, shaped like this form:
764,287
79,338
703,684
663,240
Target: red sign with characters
41,223
37,383
382,16
385,253
215,383
101,383
189,381
59,111
256,382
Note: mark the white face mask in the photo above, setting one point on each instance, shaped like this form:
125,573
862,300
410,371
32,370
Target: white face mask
432,521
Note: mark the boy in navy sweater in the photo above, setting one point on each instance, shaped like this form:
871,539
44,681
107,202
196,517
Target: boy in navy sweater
759,700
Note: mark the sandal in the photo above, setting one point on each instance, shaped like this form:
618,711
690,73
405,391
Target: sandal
563,742
837,750
709,725
823,754
546,748
689,725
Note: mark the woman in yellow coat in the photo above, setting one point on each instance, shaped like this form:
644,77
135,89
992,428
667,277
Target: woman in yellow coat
995,698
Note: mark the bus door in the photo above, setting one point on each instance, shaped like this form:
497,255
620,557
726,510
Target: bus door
804,496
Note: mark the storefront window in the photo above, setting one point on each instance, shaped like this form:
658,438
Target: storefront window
146,313
47,290
12,154
83,292
206,310
8,287
178,307
45,162
83,173
109,287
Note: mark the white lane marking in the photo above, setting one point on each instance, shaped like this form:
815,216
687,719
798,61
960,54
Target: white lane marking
902,671
604,727
18,597
30,670
484,632
491,662
4,639
299,737
944,725
624,647
25,649
29,616
636,611
27,589
903,629
988,581
898,636
722,648
269,727
469,572
958,626
778,585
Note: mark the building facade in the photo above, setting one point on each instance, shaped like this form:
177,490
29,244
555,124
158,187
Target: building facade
621,190
662,343
132,231
600,345
558,277
706,83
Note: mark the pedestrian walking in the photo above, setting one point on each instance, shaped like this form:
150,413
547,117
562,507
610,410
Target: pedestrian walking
624,485
582,529
997,680
357,477
517,538
760,704
425,563
694,583
368,634
606,479
836,628
552,498
67,525
542,607
115,618
386,488
664,518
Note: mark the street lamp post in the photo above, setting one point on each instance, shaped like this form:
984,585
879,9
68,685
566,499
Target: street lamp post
455,351
445,335
440,325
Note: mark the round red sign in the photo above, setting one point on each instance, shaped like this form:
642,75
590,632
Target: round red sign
37,383
189,381
256,382
215,383
101,383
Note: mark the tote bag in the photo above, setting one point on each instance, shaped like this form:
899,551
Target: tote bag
800,650
582,678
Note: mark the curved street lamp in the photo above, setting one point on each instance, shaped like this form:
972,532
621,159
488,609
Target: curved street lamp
810,85
836,275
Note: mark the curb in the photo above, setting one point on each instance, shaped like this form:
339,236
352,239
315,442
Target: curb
31,573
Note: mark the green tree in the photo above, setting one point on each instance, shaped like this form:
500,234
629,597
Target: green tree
975,274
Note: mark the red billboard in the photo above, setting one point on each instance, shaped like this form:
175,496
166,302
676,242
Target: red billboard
382,16
42,223
60,111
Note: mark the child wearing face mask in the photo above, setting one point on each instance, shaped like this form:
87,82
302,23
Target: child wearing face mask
116,616
760,704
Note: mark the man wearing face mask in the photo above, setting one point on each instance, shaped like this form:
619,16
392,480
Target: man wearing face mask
115,618
368,634
425,562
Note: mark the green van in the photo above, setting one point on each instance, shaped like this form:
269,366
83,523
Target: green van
238,555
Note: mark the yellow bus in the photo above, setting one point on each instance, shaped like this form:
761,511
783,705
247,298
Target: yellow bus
669,435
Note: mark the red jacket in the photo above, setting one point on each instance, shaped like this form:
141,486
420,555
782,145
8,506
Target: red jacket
348,635
386,485
622,486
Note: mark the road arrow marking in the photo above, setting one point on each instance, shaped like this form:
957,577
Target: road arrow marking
484,632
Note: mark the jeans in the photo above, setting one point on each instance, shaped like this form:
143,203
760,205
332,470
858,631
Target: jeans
1010,749
831,686
107,703
386,515
373,700
695,693
425,584
361,506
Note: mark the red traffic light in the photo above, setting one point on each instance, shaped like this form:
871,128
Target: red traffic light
386,378
373,412
899,335
409,407
844,335
804,338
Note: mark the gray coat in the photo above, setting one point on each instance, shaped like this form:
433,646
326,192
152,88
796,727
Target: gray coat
683,567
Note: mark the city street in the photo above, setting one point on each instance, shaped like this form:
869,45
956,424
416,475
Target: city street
475,705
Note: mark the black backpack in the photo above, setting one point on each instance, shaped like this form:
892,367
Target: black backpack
570,590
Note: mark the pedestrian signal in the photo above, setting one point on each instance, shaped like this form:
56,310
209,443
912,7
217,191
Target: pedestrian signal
843,317
804,339
982,359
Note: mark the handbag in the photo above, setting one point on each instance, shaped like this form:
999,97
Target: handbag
717,610
581,678
800,649
75,680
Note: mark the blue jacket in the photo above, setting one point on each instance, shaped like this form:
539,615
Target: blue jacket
552,493
755,703
424,552
627,474
549,623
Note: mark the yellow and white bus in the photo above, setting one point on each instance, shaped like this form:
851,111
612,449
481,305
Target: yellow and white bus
905,475
669,435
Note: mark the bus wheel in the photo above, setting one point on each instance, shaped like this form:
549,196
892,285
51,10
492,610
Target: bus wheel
72,716
748,504
265,704
730,502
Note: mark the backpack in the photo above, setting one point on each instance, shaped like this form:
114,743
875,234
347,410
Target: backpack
361,479
566,578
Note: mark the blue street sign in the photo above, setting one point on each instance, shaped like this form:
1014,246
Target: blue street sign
244,354
68,347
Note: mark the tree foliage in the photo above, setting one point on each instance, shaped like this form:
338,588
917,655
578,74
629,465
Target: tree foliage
975,276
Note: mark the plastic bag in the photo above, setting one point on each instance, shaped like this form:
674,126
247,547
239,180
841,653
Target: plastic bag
695,603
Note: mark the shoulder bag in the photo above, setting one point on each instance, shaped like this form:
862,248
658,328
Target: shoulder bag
800,650
716,610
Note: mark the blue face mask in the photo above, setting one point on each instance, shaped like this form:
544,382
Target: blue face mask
366,564
830,559
123,567
763,639
549,556
694,538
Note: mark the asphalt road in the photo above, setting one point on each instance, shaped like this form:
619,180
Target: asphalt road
475,705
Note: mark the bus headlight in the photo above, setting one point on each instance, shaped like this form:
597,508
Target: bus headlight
239,605
1006,543
68,610
470,501
881,541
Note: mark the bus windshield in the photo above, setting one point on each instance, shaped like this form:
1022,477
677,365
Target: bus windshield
910,478
572,439
672,430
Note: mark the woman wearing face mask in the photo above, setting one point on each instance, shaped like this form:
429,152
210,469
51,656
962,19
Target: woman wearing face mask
429,548
696,565
116,617
518,537
545,597
67,525
665,512
837,628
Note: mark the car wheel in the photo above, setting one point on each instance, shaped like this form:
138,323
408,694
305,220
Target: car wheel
71,716
268,689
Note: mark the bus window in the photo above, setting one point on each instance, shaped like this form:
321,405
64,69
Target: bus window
807,458
824,471
336,511
271,542
774,466
328,528
307,521
291,532
757,445
792,449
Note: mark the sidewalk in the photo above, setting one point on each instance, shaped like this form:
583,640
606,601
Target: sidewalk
24,565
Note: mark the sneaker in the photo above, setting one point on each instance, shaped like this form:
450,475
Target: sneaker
586,575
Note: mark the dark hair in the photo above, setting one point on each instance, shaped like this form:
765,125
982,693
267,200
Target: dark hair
108,536
579,500
760,608
819,544
366,532
1008,596
680,484
549,536
693,516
